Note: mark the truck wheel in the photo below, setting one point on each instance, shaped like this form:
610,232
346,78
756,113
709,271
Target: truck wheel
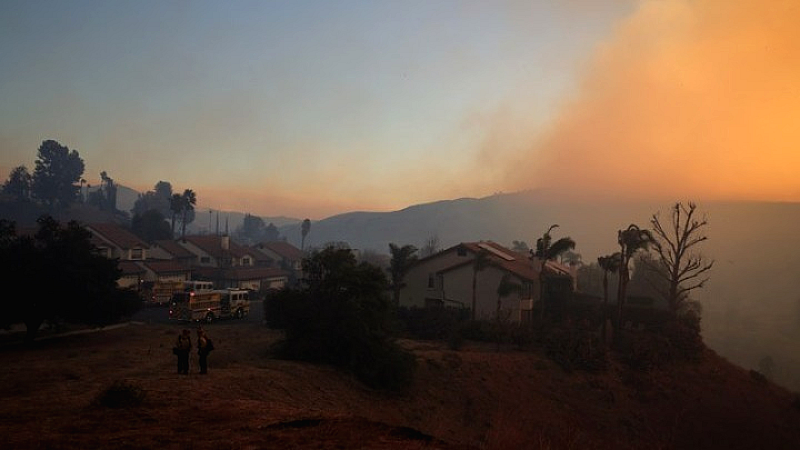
209,318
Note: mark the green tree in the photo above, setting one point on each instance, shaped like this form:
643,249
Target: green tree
176,209
271,233
682,268
609,264
151,226
402,258
630,240
81,284
18,184
341,316
252,230
189,200
57,174
547,250
158,199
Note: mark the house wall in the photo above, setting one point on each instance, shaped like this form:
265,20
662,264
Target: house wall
203,258
416,289
454,287
457,285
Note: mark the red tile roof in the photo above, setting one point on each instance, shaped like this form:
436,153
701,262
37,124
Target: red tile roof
116,235
164,267
284,249
516,263
130,268
175,249
212,245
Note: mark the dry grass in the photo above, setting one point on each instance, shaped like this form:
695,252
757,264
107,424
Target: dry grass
475,398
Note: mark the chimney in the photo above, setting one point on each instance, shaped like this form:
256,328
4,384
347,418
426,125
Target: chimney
225,242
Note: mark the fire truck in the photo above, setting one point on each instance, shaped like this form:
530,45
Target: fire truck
209,305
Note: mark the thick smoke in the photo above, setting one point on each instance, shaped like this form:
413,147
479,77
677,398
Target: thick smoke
686,99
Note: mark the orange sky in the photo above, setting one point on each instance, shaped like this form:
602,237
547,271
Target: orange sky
695,99
309,111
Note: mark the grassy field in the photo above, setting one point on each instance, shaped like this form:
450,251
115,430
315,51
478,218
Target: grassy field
476,398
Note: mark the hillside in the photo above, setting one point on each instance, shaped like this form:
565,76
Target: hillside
477,397
751,305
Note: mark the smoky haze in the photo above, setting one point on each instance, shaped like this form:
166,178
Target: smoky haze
685,99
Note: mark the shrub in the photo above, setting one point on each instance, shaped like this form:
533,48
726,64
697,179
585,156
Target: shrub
121,394
431,323
575,348
342,317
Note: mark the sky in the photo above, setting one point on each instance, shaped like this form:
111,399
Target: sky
309,109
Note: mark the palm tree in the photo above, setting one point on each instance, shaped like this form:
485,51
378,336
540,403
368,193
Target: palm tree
189,200
631,240
402,258
480,262
175,207
304,229
609,264
546,250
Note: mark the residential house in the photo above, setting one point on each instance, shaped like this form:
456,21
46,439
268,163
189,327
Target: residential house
229,264
280,254
114,241
132,276
445,279
171,250
165,270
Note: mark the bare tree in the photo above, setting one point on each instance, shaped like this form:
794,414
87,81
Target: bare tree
679,264
430,247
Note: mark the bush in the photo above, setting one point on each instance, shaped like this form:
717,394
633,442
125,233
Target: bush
575,348
431,323
342,317
121,394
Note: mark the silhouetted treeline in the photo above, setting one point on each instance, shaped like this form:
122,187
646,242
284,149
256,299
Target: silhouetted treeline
59,275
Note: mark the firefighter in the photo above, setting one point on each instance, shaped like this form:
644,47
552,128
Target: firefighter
204,347
182,348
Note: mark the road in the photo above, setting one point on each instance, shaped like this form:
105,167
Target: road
160,314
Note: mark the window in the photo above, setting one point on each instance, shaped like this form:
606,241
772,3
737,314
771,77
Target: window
431,281
137,253
246,261
462,251
205,259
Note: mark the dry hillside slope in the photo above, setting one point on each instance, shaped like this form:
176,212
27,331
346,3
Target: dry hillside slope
477,397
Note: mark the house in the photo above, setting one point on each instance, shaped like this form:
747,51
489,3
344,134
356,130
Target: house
132,275
445,279
230,265
114,241
218,251
156,270
280,254
170,250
